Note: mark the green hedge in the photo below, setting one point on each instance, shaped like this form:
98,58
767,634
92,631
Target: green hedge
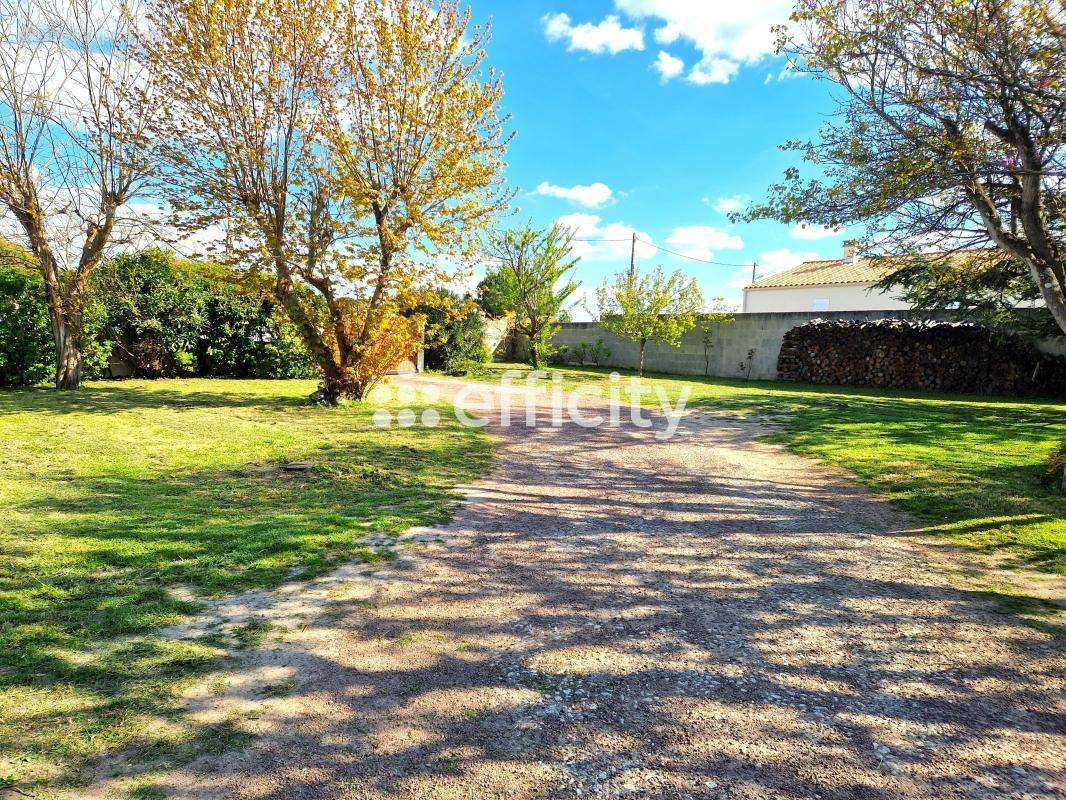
159,315
27,349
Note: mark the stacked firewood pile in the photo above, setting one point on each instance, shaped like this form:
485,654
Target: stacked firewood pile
904,354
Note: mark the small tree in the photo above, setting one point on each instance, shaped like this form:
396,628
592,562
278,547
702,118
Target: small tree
949,134
26,346
653,307
709,320
73,114
532,280
492,295
337,142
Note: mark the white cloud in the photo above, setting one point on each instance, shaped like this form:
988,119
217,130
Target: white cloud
770,262
668,66
732,204
713,70
810,233
701,241
726,34
786,73
592,195
608,36
614,239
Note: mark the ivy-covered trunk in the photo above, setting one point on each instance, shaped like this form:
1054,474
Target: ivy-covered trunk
68,353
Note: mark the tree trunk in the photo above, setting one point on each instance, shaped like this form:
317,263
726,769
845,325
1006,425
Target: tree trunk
339,387
68,356
1052,293
534,355
640,363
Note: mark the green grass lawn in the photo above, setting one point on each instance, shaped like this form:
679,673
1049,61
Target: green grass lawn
970,467
113,495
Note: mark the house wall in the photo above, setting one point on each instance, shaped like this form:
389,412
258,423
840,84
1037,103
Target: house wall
853,297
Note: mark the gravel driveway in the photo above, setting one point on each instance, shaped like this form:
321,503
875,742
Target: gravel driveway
611,615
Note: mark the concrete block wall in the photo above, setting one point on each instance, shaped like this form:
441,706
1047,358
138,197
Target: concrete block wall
762,332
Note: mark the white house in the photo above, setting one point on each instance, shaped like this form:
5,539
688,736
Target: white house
836,284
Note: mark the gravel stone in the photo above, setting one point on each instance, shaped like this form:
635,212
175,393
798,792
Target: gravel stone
611,615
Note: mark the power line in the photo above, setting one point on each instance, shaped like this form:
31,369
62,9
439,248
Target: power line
665,250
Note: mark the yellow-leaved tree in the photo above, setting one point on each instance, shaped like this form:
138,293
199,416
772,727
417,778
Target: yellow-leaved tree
354,148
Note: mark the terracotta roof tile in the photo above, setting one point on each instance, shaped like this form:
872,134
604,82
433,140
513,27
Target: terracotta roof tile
834,271
841,272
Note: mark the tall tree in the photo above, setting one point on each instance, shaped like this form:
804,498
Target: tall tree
340,143
650,307
949,134
73,149
532,279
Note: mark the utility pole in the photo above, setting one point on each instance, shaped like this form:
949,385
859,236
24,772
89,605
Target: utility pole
754,266
633,257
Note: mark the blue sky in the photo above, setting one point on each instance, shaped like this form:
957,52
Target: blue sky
651,115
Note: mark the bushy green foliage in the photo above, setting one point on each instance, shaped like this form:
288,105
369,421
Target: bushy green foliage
245,336
595,354
170,317
466,350
27,349
155,310
454,334
493,295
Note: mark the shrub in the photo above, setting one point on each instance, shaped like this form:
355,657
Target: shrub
600,353
244,335
957,357
154,312
169,317
455,334
27,349
596,353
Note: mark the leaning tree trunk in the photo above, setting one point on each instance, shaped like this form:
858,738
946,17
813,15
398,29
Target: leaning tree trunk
1052,291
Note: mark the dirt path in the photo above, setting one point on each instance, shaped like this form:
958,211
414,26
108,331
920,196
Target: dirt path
612,615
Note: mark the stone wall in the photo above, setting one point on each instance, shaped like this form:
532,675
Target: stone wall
731,343
498,335
762,332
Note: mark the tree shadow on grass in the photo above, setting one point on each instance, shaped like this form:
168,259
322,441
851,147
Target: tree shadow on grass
83,594
101,397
